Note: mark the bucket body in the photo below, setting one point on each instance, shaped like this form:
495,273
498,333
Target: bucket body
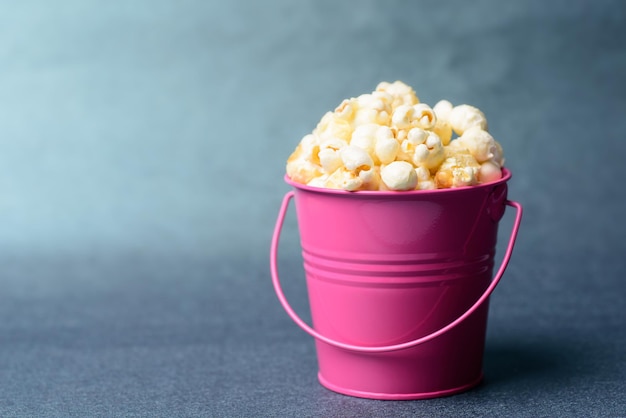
383,268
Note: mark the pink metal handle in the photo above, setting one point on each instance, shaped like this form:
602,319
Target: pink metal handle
364,349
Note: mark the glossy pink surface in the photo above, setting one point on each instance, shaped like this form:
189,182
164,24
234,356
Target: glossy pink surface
398,285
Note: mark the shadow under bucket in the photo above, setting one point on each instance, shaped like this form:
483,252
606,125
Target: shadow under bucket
399,285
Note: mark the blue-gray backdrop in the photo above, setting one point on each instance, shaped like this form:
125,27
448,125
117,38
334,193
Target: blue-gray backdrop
142,149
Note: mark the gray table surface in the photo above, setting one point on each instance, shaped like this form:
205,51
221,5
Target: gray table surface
142,149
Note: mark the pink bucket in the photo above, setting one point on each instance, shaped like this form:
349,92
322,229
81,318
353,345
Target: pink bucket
398,284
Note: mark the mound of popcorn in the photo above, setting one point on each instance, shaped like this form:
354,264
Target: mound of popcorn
389,140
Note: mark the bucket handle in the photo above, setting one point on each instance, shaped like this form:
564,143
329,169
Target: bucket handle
381,349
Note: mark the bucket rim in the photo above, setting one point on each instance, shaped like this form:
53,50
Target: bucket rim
506,176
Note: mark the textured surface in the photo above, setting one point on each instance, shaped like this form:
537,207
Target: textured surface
134,236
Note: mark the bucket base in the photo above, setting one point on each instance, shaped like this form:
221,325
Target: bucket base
397,396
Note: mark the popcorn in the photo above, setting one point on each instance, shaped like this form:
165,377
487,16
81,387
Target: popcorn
423,148
463,117
388,140
371,179
419,115
356,159
424,116
319,181
489,171
334,125
345,110
498,157
399,175
480,144
400,93
424,180
344,179
387,147
303,171
356,173
303,163
457,170
402,117
364,137
329,154
372,109
442,128
442,109
483,148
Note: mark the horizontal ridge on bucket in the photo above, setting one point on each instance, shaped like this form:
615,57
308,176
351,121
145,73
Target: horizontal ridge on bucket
428,268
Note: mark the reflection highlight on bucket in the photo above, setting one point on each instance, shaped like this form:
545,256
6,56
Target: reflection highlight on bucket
398,284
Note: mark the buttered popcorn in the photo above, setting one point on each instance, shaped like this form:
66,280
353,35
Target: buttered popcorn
389,140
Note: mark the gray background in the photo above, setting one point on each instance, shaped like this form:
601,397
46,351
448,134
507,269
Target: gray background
142,149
